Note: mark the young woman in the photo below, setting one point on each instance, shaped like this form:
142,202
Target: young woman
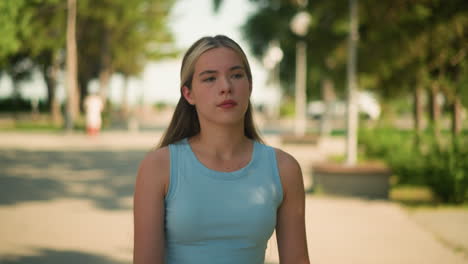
212,192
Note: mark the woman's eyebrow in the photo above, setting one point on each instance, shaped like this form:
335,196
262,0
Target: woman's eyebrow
237,67
207,72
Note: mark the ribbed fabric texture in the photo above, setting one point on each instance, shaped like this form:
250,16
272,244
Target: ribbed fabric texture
220,217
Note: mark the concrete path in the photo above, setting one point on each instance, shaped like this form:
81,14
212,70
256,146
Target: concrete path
448,225
365,232
68,199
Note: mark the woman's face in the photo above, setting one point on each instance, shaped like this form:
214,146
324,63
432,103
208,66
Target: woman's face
220,87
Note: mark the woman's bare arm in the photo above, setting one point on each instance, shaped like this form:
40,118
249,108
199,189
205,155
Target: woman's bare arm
290,226
148,207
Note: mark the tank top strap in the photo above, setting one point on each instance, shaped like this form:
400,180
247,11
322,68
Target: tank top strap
271,153
175,150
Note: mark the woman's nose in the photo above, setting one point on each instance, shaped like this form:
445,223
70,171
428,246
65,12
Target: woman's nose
225,85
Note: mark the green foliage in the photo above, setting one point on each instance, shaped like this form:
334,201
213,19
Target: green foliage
31,28
447,174
9,105
287,108
324,41
440,165
123,35
159,106
113,36
13,24
407,43
402,44
396,149
217,5
30,126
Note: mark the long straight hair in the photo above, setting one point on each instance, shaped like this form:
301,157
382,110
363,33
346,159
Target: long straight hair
184,122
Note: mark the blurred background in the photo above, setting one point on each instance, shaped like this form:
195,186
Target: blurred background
370,97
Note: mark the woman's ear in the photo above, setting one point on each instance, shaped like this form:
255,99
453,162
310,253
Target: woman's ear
187,93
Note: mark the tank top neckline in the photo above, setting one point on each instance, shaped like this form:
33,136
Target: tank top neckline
222,175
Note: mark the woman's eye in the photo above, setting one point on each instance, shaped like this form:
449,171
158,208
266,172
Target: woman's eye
209,79
238,75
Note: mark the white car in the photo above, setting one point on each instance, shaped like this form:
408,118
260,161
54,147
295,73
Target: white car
367,104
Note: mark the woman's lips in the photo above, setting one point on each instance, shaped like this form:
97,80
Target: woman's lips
228,104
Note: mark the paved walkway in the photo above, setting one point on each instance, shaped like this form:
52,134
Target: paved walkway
68,199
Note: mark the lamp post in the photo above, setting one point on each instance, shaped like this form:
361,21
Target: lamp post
352,119
271,60
273,56
299,25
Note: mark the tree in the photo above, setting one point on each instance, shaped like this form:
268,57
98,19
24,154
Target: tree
72,83
37,27
122,36
424,49
406,47
112,37
49,25
14,25
14,59
326,40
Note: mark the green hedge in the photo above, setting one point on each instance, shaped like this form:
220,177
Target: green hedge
20,105
440,164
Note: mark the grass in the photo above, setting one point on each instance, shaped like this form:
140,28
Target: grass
41,123
360,159
418,197
31,127
413,196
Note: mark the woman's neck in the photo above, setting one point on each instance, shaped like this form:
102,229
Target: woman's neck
221,142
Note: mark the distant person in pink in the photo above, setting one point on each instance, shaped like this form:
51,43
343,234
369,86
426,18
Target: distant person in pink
93,107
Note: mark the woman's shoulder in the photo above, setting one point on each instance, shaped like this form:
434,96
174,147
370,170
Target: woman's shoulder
286,160
156,157
289,168
154,168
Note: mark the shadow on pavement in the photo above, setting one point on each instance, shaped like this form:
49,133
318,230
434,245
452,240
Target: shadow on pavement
15,189
104,177
59,257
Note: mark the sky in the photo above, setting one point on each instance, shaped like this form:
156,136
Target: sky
189,21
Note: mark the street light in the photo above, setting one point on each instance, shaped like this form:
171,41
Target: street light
300,25
273,55
271,60
353,116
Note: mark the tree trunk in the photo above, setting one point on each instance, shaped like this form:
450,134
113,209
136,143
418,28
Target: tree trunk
50,77
418,110
352,118
83,81
72,62
301,79
435,109
83,91
124,103
104,78
16,96
328,96
456,117
105,71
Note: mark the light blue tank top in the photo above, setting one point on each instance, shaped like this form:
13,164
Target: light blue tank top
220,217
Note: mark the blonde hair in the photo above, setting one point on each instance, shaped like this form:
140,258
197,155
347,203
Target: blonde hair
184,122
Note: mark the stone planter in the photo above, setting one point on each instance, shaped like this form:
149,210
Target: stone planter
371,180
